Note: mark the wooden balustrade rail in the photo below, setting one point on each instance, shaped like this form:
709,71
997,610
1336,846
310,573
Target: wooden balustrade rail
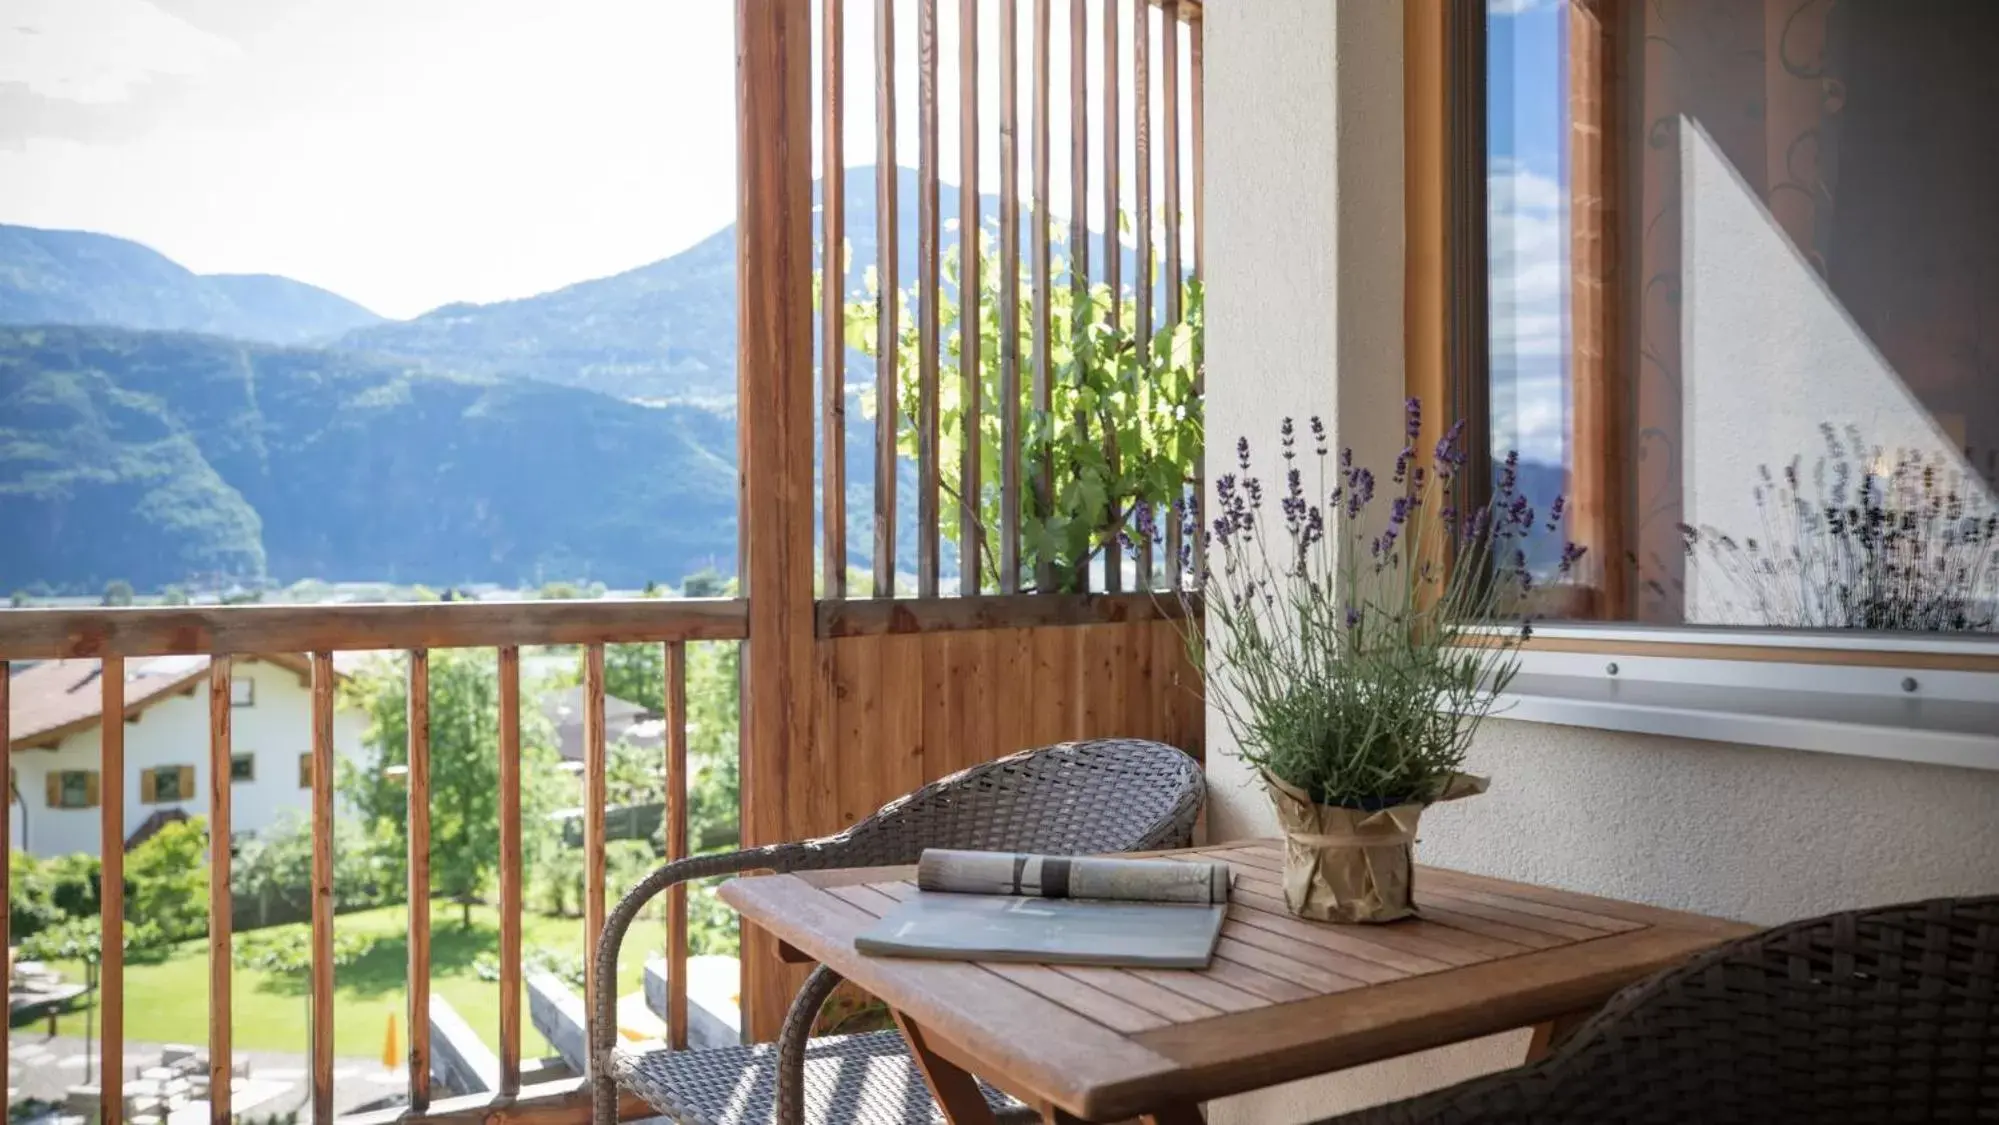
222,633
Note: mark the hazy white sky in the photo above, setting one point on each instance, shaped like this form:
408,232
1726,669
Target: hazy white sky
408,153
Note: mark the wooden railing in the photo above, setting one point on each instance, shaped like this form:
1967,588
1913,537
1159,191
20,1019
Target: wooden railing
1162,228
114,635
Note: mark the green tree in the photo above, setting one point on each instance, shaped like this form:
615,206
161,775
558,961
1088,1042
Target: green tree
464,770
168,880
19,599
173,595
707,583
117,592
1123,428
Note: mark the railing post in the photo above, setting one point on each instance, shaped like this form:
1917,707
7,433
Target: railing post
774,381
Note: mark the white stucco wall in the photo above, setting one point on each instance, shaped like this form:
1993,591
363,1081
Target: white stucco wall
1304,187
277,728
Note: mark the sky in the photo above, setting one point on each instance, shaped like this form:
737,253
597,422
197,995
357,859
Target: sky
411,153
1527,237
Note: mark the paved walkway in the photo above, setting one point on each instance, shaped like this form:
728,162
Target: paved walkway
42,1067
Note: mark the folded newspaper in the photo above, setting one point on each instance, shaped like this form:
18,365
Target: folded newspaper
1053,876
998,906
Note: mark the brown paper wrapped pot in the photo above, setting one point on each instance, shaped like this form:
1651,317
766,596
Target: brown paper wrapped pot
1352,865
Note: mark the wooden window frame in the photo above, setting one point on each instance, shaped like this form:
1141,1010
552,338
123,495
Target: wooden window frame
245,756
60,789
242,691
149,784
1445,322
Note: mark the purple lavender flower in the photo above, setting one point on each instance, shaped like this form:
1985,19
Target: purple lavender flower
1319,435
1315,526
1255,489
1242,453
1450,454
1413,417
1555,513
1346,457
1509,474
1571,554
1398,512
1353,617
1288,437
1402,461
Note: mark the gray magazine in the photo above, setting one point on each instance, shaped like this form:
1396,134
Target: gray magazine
1018,919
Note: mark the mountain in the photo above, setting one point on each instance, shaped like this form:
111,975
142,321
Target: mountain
158,457
74,277
662,331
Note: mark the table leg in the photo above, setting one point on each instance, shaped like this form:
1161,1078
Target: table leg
1547,1035
1178,1115
956,1091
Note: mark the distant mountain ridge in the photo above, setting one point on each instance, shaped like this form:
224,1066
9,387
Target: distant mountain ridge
160,457
76,277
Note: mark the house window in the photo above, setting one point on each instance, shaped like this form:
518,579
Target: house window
242,691
242,767
1741,306
166,784
72,789
305,771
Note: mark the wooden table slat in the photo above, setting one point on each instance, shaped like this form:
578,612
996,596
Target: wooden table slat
1284,997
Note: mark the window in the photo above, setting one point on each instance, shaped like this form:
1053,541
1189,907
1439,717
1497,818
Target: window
242,691
1742,263
242,767
72,789
305,771
166,784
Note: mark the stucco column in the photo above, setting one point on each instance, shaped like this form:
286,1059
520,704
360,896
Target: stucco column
1304,242
1304,316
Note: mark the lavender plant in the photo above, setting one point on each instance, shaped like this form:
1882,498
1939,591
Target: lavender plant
1351,638
1903,544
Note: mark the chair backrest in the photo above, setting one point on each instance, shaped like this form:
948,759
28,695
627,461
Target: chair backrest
1885,1014
1078,798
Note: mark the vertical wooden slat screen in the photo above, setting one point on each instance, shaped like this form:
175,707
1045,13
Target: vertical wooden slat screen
888,317
220,1014
322,888
832,295
1169,99
418,744
1044,469
111,888
1079,201
1113,269
594,800
510,870
928,226
1009,296
971,528
1141,107
676,843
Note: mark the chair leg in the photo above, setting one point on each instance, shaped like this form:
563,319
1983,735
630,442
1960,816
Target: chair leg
794,1037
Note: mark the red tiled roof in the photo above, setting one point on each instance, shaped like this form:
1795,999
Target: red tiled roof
53,699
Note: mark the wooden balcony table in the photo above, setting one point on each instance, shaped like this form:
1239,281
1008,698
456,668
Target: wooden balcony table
1283,999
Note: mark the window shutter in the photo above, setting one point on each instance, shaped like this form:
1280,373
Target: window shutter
53,780
90,793
149,786
187,783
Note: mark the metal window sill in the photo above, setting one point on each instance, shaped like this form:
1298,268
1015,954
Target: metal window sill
1953,722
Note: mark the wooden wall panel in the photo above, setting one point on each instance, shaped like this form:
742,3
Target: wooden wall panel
905,709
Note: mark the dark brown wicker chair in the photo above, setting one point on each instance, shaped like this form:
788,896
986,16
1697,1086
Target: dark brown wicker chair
1882,1015
1079,798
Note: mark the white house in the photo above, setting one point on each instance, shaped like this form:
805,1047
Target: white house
57,783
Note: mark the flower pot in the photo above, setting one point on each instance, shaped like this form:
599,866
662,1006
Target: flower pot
1353,864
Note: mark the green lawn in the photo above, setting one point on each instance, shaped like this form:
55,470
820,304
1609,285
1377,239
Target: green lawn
167,1000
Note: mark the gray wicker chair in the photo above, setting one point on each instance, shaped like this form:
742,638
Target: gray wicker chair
1079,798
1888,1014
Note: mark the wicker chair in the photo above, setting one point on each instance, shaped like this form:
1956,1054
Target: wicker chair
1079,798
1889,1014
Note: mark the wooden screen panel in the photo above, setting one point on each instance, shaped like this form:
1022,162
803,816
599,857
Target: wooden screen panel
896,711
111,883
1598,480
